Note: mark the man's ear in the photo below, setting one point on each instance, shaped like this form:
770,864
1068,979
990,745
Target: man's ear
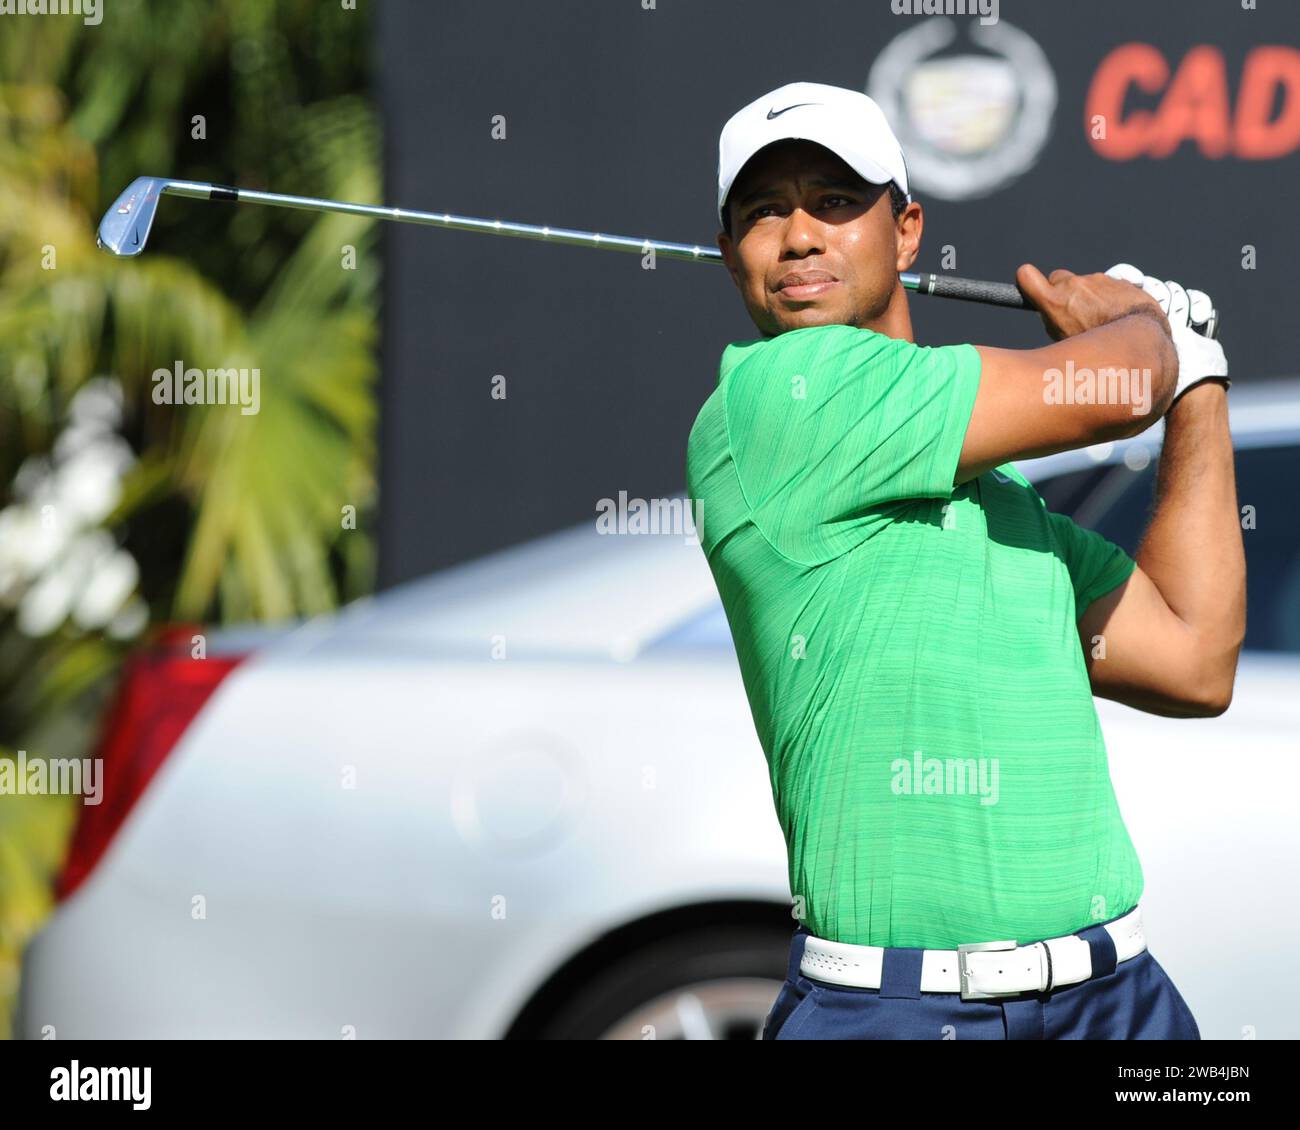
728,248
907,234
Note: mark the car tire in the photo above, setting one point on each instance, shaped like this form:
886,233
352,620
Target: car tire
727,977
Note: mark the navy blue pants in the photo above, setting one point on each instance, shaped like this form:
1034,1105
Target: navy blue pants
1131,1000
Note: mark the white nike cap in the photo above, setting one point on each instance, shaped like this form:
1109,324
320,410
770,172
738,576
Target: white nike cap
846,122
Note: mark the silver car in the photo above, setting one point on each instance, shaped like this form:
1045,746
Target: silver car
523,797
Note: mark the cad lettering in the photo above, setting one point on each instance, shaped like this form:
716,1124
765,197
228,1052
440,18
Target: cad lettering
101,1083
1195,104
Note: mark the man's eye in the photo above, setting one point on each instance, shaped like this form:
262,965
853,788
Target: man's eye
831,201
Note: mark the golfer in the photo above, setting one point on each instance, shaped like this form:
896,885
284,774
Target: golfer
920,638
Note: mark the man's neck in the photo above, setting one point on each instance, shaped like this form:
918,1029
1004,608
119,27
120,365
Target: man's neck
896,321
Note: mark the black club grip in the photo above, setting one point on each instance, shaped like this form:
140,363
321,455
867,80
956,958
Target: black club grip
1007,294
974,290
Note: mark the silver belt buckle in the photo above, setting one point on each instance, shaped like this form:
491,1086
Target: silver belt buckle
963,973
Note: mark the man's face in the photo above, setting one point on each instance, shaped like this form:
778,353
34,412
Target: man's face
811,242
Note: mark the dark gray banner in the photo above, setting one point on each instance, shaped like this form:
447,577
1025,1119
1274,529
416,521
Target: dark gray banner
525,381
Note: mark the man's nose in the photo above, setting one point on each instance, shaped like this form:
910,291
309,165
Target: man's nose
804,234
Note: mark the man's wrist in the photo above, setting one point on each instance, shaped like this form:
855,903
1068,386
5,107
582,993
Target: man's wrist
1221,383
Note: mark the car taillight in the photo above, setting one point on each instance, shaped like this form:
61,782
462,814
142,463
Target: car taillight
160,693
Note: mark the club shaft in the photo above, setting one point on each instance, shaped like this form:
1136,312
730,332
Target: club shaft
194,189
946,286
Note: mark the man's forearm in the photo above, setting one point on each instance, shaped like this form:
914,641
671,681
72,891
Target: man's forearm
1192,549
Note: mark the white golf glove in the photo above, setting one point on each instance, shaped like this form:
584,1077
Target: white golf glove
1190,313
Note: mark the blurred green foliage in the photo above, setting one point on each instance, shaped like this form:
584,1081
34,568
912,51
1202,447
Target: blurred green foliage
229,517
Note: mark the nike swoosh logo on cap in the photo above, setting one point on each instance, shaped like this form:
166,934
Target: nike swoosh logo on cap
777,113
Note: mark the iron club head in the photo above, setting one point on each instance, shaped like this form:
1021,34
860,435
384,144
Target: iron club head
125,226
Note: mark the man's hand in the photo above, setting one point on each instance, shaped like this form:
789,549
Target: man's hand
1072,304
1200,358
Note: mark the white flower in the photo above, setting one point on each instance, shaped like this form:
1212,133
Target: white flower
55,560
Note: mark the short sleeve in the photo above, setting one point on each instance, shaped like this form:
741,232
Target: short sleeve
835,430
1096,564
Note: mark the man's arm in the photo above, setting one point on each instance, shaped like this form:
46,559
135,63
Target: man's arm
1173,630
1101,326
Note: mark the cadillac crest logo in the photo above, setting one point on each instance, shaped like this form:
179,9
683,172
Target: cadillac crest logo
969,123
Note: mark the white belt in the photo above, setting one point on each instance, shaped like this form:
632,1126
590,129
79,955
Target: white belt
977,969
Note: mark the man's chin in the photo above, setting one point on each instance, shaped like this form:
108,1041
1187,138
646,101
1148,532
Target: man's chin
810,316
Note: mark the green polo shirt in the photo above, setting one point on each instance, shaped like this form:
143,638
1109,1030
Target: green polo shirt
909,650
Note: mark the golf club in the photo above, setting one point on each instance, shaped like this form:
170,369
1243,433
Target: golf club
124,231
